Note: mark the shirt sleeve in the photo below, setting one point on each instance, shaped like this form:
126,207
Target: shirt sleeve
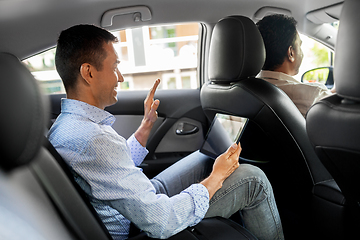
138,152
322,93
200,196
161,216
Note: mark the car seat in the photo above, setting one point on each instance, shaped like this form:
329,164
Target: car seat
333,125
46,198
275,138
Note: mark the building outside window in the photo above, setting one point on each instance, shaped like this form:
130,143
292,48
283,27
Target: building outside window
168,52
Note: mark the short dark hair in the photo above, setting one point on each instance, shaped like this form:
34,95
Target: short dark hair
279,33
77,45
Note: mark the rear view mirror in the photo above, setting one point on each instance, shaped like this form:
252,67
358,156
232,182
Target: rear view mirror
322,75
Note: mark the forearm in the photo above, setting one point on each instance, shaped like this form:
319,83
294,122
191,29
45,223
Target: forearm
143,132
213,184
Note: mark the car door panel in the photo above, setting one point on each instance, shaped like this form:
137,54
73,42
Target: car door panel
177,107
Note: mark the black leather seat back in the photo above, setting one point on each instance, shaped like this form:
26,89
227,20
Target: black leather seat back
29,213
22,114
277,128
22,128
333,124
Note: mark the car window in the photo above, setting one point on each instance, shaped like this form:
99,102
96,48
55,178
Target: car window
42,66
316,54
168,52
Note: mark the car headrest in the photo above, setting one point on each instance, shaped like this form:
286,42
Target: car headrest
22,107
237,50
347,60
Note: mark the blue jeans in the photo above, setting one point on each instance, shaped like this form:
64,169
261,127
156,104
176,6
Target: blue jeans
247,191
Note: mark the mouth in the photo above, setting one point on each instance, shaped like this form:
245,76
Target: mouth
115,90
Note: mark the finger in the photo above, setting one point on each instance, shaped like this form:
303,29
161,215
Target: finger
153,115
233,168
234,157
153,89
155,105
231,150
150,97
238,150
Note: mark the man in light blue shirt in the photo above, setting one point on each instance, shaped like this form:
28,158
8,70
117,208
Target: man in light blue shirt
105,164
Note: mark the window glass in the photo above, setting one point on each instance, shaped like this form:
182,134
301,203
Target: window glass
42,66
168,52
315,55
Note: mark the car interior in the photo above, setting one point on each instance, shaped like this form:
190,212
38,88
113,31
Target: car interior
311,162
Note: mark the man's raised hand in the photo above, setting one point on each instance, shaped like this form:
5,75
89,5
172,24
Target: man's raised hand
150,115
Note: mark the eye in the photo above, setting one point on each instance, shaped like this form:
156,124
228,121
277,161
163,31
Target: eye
116,66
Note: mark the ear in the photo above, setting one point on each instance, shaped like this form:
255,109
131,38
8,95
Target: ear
291,54
86,72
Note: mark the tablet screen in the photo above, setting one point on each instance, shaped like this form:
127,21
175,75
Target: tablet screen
224,131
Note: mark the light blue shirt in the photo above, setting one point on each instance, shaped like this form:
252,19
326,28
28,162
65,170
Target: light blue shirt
105,166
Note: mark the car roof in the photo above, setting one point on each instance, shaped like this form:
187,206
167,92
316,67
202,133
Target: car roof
31,26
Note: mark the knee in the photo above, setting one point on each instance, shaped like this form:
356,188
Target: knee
251,171
247,171
251,183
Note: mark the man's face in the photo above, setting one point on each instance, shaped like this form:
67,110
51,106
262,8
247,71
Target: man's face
298,54
107,79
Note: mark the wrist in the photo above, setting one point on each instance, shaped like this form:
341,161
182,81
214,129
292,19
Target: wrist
213,183
143,132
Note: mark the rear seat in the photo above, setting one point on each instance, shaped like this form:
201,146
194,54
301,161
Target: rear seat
39,198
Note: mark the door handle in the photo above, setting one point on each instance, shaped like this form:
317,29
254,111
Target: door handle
186,129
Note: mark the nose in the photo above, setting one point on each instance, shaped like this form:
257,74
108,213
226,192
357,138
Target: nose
120,76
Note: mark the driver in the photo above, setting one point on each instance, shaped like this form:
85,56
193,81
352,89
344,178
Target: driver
283,60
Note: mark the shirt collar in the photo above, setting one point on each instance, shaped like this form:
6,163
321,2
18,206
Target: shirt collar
265,74
86,110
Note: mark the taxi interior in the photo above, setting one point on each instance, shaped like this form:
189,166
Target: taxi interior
38,196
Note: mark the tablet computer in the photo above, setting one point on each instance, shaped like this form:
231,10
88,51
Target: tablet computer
224,131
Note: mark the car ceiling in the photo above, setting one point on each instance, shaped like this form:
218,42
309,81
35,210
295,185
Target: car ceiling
31,26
